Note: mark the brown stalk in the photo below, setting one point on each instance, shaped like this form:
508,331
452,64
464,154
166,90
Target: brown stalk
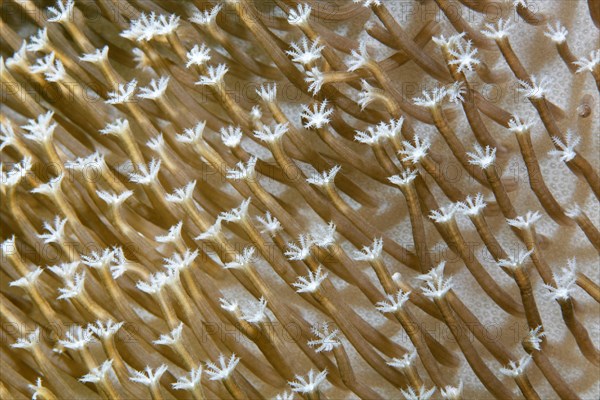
526,388
460,25
363,225
478,127
529,16
586,225
350,156
246,11
418,337
485,281
504,202
417,227
561,388
477,329
521,276
405,43
347,185
531,241
455,145
400,103
591,287
426,355
289,320
488,238
349,378
486,377
579,332
567,56
536,180
367,352
579,165
434,170
371,335
344,225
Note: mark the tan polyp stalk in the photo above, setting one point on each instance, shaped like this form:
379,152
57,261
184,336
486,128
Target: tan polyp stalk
526,388
398,101
350,156
233,109
406,44
588,228
247,13
477,329
501,196
45,394
418,229
485,281
82,233
567,56
106,388
122,302
488,75
529,16
530,240
348,186
536,181
591,288
279,264
155,392
19,216
459,23
74,92
53,374
288,320
348,271
383,275
234,389
262,336
596,75
521,276
477,125
366,331
131,148
366,352
119,365
242,58
45,308
419,300
363,225
579,332
488,238
384,160
455,145
164,209
451,191
560,387
425,354
579,165
349,378
322,208
486,377
84,302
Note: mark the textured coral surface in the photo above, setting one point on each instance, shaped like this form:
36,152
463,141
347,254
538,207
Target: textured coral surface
255,199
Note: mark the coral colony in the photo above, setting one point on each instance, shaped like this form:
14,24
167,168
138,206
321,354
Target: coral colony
247,199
